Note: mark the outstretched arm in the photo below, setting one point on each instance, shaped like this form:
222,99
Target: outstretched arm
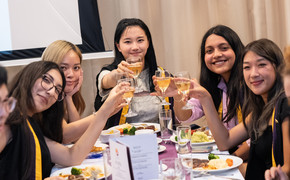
110,80
224,139
65,156
172,91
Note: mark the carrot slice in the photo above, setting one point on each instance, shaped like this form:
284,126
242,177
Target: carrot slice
229,162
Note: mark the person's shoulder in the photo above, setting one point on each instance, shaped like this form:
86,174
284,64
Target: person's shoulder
283,108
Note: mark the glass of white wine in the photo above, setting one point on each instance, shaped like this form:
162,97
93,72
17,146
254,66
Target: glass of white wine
135,65
129,94
163,80
182,82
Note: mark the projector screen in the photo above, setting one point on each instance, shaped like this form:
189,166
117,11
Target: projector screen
31,25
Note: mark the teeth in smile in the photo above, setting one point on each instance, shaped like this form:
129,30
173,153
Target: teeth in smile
219,62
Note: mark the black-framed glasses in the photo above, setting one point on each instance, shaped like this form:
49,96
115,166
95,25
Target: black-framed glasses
8,104
47,84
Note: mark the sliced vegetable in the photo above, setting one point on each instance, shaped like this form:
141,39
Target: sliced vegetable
229,162
212,156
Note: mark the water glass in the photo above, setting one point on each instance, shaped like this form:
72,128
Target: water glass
165,117
171,169
107,163
183,138
187,164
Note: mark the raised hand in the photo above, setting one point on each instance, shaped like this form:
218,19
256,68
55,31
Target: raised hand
197,91
115,101
171,91
275,173
78,85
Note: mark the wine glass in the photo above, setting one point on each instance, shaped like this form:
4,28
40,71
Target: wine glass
128,95
163,81
182,82
135,65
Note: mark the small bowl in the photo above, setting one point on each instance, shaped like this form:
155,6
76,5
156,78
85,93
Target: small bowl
108,134
144,131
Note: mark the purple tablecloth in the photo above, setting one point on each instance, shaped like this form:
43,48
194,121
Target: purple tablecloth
169,152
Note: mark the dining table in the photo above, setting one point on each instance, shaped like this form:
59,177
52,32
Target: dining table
170,150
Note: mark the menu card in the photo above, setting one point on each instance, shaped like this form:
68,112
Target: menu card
134,157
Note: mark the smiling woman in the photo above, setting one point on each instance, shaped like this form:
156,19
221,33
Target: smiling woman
36,124
132,40
69,57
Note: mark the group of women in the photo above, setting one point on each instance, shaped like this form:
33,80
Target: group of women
240,92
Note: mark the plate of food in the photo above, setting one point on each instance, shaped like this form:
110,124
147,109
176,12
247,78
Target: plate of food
202,138
96,150
85,171
214,163
198,138
129,129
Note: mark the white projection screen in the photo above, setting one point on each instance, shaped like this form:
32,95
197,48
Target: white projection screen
28,26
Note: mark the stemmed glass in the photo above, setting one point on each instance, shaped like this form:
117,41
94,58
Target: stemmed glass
129,94
163,81
182,82
135,65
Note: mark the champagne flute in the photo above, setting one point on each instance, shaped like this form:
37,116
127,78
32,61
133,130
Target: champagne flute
182,82
163,81
135,65
129,94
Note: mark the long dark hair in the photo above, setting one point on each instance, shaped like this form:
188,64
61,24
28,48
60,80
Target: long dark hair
50,120
254,104
210,80
150,58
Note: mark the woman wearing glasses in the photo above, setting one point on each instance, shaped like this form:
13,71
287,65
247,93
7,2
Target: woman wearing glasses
36,124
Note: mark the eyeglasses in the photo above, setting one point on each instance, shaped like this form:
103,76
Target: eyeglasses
47,84
8,104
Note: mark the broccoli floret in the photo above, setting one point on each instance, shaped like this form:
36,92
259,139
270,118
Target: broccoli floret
212,156
132,131
125,131
76,171
176,138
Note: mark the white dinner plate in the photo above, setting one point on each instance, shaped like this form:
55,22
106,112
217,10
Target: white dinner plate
159,140
161,148
67,171
156,125
91,155
236,162
172,138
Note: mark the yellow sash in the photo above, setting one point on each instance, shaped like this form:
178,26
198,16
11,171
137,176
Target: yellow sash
273,121
238,111
38,163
